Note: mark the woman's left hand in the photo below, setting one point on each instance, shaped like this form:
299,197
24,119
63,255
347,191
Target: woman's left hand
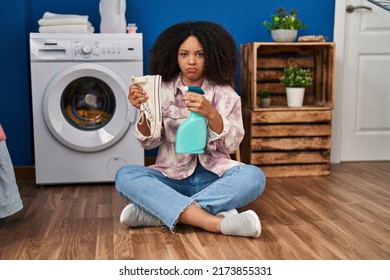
198,103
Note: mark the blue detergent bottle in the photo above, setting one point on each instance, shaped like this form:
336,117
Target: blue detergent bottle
191,135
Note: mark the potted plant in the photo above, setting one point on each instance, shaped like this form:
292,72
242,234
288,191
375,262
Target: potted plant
265,98
295,79
284,25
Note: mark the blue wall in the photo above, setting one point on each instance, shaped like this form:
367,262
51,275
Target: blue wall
19,17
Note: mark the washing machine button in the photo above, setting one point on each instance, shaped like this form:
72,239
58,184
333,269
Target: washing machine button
86,49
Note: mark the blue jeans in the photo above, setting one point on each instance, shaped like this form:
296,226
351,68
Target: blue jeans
167,198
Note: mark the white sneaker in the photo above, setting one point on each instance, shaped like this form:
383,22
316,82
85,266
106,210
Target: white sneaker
231,211
133,216
243,224
151,109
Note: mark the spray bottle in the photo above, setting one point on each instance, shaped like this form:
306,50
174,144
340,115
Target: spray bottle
112,16
191,135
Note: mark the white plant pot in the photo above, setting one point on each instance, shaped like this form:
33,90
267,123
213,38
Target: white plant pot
295,96
284,35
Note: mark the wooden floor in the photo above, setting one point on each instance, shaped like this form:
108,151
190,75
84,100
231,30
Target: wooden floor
342,216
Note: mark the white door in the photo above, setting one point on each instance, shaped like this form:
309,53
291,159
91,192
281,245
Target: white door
365,126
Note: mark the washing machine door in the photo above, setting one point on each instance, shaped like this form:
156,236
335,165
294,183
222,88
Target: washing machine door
86,107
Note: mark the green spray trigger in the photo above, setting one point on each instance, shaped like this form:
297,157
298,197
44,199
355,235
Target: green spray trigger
192,133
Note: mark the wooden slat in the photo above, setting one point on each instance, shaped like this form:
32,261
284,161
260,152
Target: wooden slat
330,64
291,116
245,146
272,87
296,170
248,73
272,158
268,75
290,130
298,143
283,62
292,48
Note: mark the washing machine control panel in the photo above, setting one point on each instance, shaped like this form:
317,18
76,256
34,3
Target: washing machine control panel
106,49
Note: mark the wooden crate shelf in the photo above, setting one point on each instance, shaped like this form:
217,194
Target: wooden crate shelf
262,65
288,142
281,140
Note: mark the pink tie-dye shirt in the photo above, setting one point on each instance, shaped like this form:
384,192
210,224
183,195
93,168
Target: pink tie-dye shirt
219,146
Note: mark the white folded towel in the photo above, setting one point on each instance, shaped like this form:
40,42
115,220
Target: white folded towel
62,19
73,28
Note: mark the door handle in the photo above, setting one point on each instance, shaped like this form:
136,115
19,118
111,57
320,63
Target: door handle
351,9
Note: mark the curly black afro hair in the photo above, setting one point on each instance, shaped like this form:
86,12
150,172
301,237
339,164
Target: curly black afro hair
219,47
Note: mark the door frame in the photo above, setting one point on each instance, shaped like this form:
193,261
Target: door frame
339,38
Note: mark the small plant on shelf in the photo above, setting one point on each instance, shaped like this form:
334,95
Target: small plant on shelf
265,98
295,79
264,94
284,20
295,76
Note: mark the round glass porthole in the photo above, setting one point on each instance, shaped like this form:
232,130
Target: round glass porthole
88,103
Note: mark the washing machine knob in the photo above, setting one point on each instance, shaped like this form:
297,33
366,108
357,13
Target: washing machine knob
86,49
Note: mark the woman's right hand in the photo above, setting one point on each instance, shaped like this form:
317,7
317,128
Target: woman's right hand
137,95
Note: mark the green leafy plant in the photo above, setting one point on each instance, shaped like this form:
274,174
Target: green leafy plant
265,98
264,94
295,76
284,20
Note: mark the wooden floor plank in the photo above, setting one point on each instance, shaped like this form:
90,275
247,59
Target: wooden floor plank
345,215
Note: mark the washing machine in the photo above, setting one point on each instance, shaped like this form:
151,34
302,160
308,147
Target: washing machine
83,123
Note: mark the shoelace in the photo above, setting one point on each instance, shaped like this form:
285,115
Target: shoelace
146,112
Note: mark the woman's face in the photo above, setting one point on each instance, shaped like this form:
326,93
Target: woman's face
191,60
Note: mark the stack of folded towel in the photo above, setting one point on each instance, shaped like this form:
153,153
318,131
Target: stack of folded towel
62,23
